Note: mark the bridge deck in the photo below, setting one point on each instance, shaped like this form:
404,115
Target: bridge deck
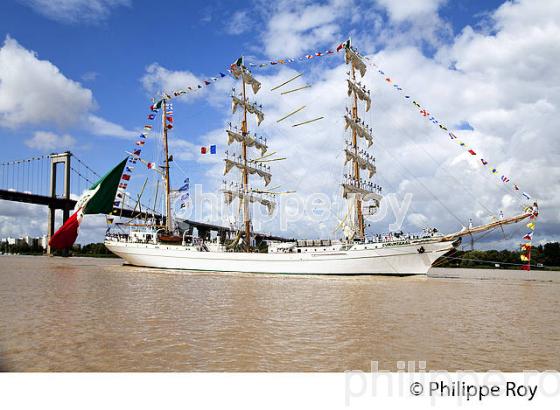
62,203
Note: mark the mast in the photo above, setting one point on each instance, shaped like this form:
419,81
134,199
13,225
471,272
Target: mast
356,167
356,190
168,224
243,161
245,173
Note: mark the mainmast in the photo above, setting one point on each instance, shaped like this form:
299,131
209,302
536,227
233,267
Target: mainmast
168,222
356,168
245,173
355,188
246,165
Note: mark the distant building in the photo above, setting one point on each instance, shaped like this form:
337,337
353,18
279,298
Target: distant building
31,241
44,241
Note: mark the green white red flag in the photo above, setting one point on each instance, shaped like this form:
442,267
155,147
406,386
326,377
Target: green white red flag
99,199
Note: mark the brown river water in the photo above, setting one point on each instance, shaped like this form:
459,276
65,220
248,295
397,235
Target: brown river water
87,314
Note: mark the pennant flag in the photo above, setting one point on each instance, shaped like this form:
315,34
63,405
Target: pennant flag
238,63
169,119
142,136
151,116
416,104
528,236
494,170
137,152
443,127
203,150
125,177
526,246
212,149
515,187
157,105
472,152
526,195
141,143
147,127
484,162
206,82
116,203
129,169
151,165
169,126
531,226
524,258
505,179
453,136
424,113
123,185
222,75
96,200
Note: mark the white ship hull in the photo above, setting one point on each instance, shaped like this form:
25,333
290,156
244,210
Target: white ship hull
359,259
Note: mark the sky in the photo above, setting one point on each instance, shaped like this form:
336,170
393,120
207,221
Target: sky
78,75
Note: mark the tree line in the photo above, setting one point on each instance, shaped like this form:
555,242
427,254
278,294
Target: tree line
545,256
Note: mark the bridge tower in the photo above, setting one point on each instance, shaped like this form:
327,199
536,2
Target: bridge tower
56,159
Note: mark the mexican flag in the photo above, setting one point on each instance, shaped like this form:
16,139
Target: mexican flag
99,199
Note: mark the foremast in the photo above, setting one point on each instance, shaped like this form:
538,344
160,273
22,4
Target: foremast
244,162
168,221
355,188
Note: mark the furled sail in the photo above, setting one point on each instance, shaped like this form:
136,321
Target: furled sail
240,71
352,57
252,81
249,140
251,170
363,163
252,108
231,194
361,130
366,194
361,93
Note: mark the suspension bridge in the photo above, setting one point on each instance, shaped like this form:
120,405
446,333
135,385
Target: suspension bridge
37,180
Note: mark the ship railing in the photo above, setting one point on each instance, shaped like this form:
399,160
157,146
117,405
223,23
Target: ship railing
403,236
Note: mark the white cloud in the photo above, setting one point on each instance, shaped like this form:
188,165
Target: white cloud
239,23
296,27
75,11
20,219
182,149
408,22
102,127
403,10
34,91
158,79
90,76
49,141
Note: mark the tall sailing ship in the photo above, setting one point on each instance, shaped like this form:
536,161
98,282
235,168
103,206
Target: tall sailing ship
167,246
